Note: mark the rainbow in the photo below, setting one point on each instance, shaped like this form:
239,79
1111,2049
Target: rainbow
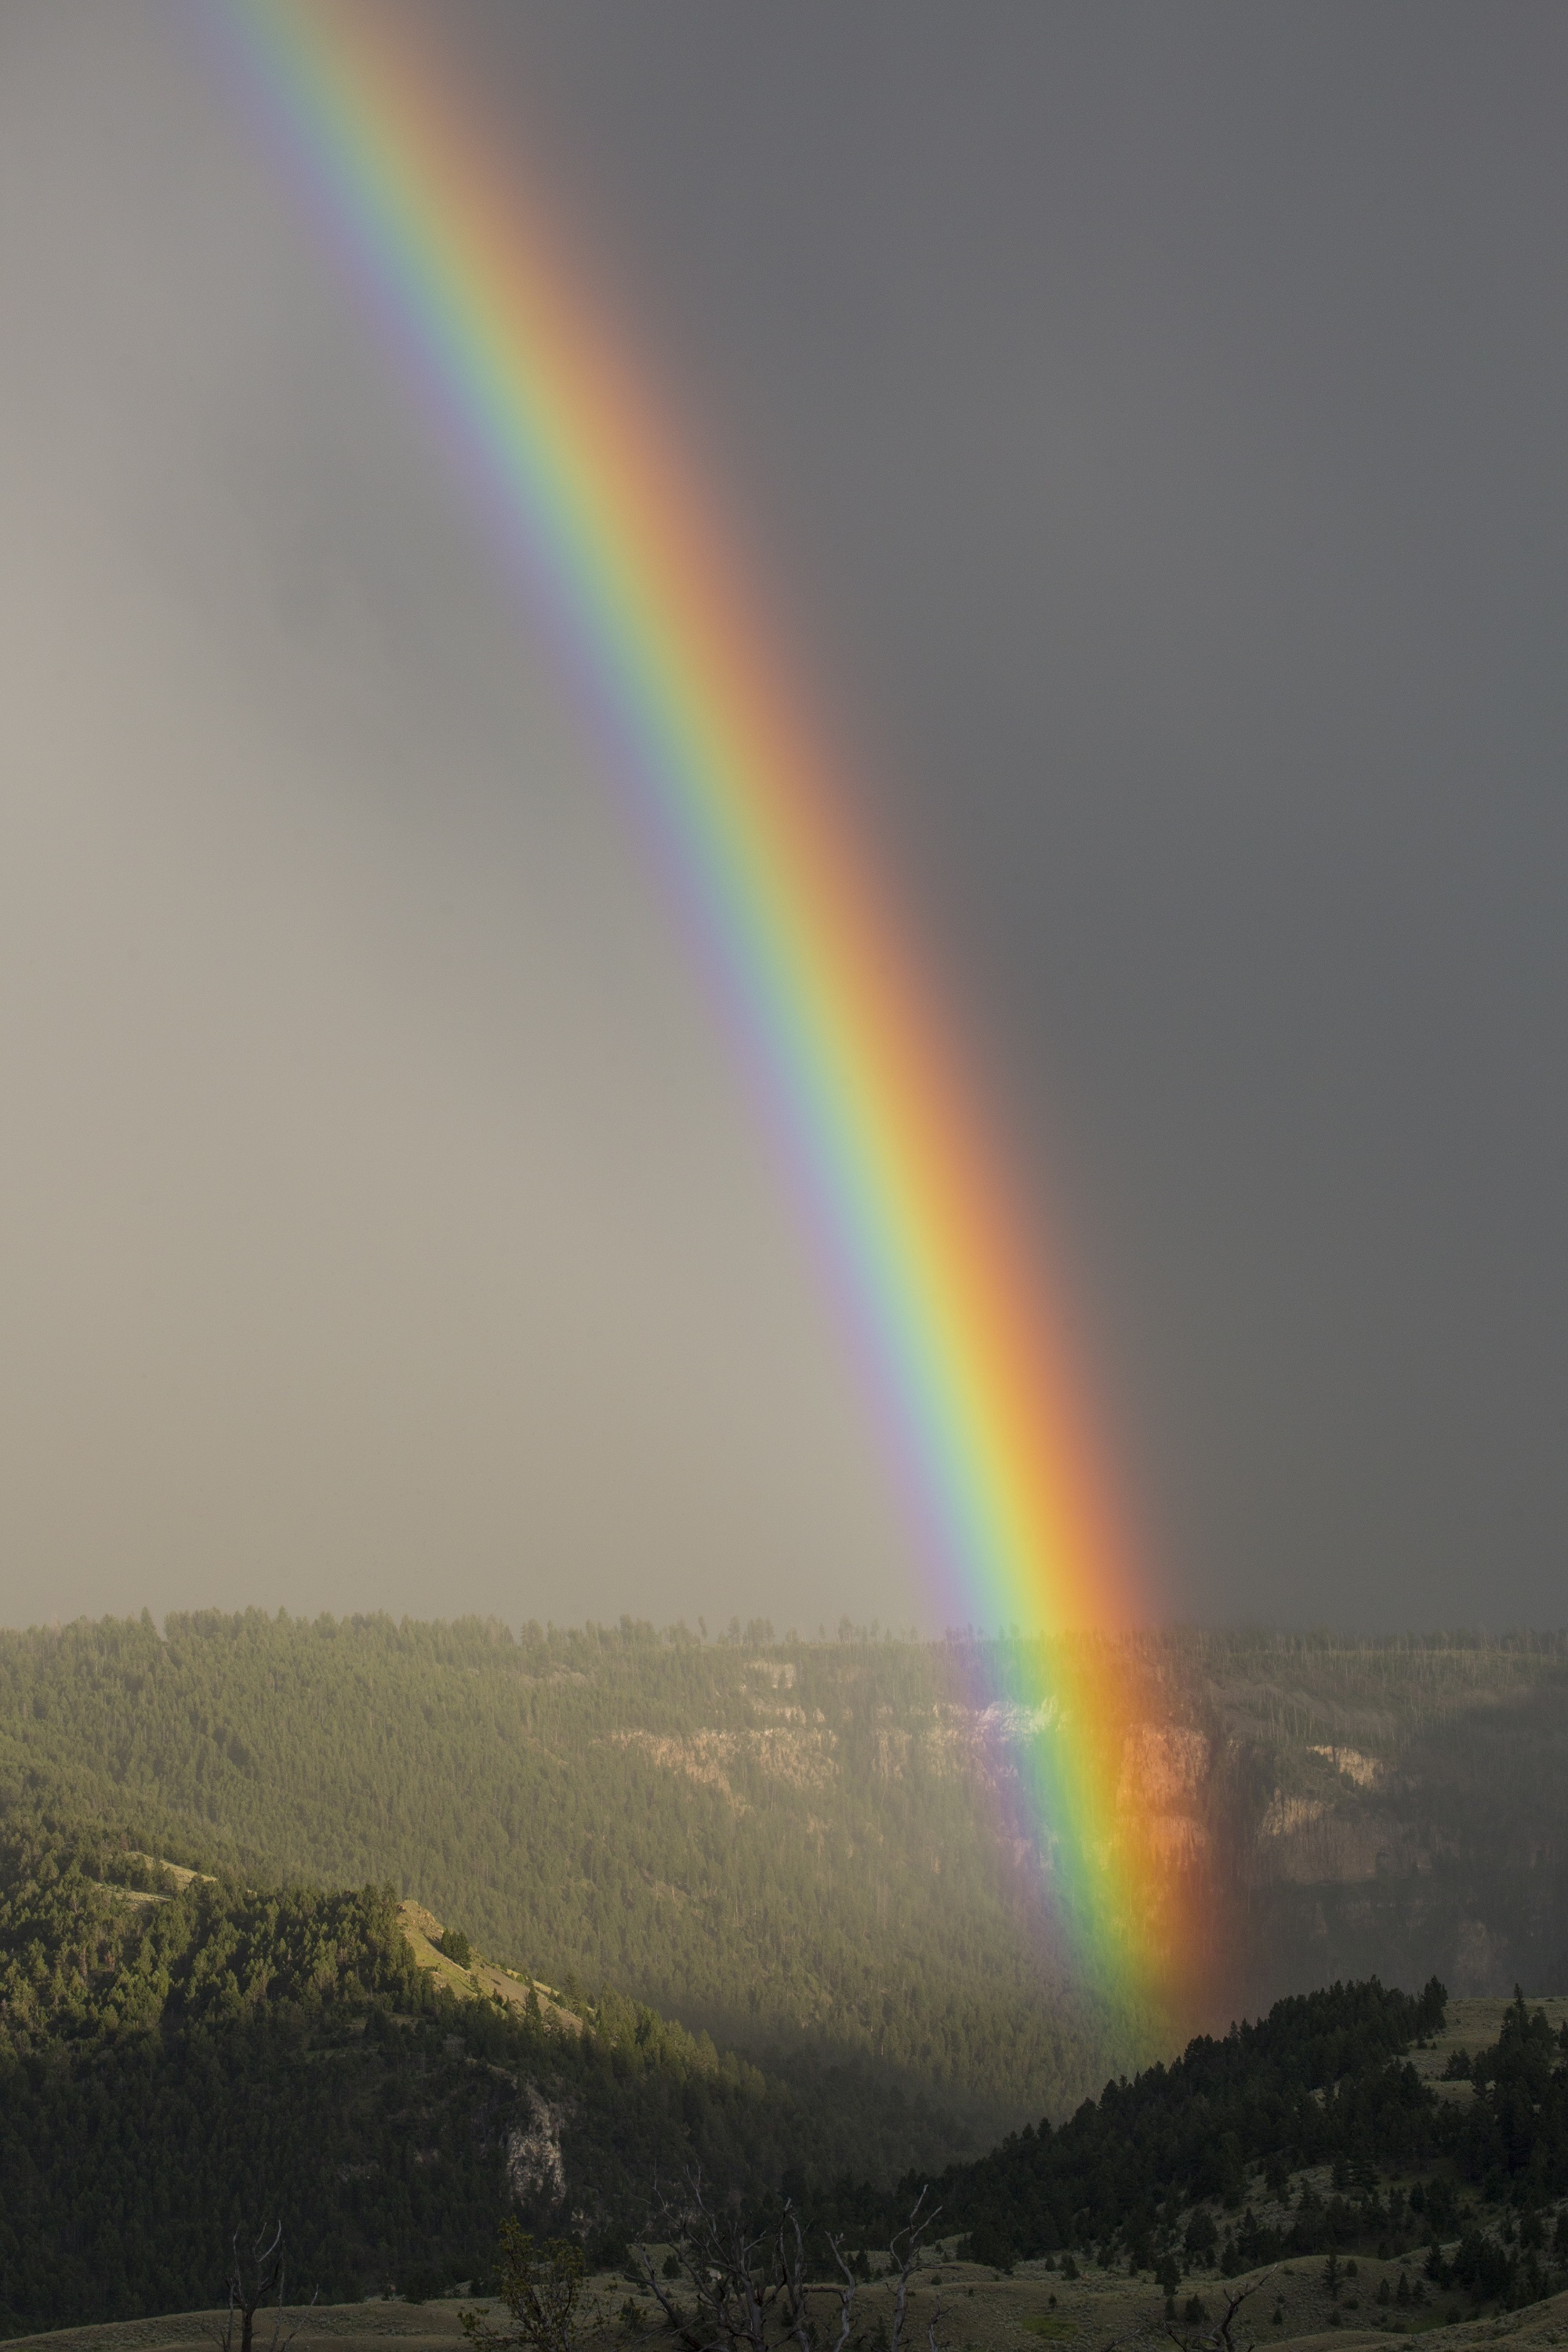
868,1089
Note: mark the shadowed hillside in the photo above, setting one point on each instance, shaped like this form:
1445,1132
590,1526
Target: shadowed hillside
179,2054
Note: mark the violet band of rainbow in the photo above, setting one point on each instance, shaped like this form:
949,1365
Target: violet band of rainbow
932,1259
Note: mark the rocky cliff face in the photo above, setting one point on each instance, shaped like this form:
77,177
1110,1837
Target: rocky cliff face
1311,1810
831,1849
1401,1813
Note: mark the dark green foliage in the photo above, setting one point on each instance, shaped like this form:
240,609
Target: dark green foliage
1319,2077
779,1849
171,2068
540,2287
740,1841
1514,2132
422,2282
456,1947
784,1844
1322,2080
1202,2236
84,1961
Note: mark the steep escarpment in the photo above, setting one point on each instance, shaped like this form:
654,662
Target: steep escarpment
1398,1810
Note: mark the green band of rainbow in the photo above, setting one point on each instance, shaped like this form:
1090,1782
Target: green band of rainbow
585,488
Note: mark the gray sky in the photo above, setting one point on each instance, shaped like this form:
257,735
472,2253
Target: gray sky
1150,420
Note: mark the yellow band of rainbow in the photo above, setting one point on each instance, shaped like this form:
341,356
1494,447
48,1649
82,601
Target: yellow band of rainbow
930,1251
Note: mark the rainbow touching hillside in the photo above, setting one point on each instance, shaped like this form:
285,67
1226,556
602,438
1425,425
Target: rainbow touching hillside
606,535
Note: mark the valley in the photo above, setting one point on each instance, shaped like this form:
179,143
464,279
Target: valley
803,1848
628,1903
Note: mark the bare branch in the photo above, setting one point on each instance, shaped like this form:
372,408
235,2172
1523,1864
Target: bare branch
905,2251
282,2343
251,2283
734,2278
675,2319
744,2285
1220,2338
845,2292
798,2322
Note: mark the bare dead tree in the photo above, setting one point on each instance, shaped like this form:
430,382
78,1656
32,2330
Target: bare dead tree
904,2251
735,2276
256,2282
745,2280
1220,2338
807,2337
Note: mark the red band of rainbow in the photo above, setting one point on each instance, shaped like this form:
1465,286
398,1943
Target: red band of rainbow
930,1253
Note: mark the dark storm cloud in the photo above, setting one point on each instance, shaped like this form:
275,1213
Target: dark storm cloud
1150,422
1156,416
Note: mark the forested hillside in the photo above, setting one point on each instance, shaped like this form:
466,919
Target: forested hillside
797,1845
752,1841
176,2062
179,2059
1309,2132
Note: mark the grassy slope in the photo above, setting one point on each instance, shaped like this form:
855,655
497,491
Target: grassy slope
1475,2025
485,1979
979,2312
